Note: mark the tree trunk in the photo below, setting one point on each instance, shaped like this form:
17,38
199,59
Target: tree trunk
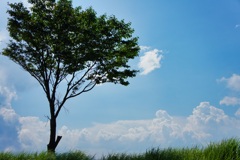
53,142
51,146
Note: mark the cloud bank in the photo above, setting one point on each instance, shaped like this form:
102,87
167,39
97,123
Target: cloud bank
206,123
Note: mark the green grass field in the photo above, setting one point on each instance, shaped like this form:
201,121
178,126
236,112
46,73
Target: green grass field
224,150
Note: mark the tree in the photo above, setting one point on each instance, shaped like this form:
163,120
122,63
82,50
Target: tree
69,47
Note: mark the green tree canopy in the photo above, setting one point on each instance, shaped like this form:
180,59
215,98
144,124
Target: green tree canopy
57,43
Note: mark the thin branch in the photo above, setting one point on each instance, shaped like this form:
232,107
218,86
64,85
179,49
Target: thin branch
66,94
78,81
54,87
85,89
71,86
47,117
39,81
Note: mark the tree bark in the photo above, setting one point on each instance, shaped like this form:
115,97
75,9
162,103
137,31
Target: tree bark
51,146
53,142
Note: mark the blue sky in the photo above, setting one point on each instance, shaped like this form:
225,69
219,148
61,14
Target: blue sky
187,91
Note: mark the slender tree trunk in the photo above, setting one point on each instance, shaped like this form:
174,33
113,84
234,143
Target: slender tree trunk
53,142
53,125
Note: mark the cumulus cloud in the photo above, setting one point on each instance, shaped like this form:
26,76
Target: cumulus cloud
8,114
150,60
8,119
6,95
206,123
33,133
206,113
17,132
232,82
230,101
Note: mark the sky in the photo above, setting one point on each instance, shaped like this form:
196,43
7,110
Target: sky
187,92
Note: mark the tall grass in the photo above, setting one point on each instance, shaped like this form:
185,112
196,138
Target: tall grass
224,150
227,150
27,156
76,155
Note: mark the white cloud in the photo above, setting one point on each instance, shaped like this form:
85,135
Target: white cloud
8,118
206,123
204,119
33,133
161,114
150,60
237,113
7,95
144,48
230,101
233,82
8,114
206,113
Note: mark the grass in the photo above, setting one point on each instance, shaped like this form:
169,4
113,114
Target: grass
77,155
225,150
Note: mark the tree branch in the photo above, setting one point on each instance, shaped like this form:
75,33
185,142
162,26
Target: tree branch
71,86
85,89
